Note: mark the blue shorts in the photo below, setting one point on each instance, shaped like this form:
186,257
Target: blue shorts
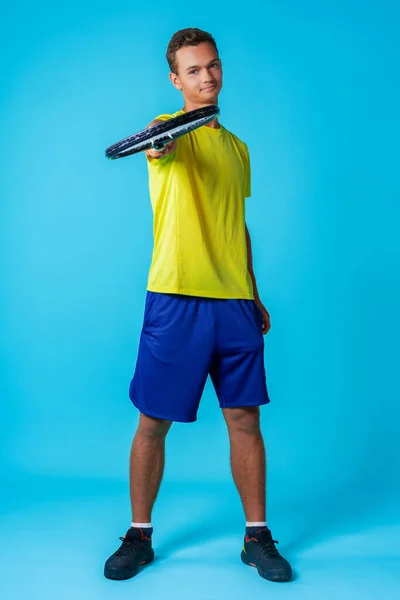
186,338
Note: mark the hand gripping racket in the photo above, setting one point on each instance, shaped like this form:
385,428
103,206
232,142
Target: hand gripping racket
161,134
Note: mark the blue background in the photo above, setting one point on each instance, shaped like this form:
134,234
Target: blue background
313,89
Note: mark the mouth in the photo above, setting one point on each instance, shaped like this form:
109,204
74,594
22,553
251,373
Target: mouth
209,88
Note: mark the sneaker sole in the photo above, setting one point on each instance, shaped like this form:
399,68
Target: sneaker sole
279,575
119,575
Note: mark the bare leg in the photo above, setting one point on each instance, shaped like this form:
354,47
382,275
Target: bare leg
147,466
248,460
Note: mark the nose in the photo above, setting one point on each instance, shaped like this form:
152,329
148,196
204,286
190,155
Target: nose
208,78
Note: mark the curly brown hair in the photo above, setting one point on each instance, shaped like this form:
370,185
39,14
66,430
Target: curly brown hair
186,37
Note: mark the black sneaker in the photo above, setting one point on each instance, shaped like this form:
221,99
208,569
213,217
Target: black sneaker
260,552
134,552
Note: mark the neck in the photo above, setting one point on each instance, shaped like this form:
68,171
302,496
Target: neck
188,106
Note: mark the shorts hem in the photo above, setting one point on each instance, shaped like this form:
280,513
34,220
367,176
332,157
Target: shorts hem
240,405
158,416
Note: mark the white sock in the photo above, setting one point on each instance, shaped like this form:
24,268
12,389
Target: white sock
141,525
256,523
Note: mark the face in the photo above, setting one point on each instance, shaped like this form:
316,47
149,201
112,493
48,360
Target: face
199,74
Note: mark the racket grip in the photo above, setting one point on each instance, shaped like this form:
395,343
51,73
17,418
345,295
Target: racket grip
160,147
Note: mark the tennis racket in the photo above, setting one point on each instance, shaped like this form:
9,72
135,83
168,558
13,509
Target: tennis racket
161,134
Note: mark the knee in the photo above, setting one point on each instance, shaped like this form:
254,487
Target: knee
243,420
153,429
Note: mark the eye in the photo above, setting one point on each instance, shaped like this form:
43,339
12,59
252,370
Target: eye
192,71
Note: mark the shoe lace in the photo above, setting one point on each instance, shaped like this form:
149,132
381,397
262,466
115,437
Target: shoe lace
267,545
128,547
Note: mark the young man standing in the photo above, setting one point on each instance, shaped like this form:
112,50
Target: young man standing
203,314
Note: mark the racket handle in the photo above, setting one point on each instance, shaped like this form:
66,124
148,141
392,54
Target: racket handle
160,147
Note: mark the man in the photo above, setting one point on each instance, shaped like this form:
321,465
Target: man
203,314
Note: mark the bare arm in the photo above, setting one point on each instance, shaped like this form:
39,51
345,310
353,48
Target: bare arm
250,266
266,318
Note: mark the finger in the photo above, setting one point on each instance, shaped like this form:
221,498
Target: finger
154,154
162,152
168,149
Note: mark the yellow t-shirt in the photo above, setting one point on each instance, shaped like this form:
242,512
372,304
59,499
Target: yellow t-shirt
198,200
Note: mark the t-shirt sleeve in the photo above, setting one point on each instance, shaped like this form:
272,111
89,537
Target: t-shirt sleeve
163,117
247,174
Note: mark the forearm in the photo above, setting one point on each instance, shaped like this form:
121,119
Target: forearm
250,266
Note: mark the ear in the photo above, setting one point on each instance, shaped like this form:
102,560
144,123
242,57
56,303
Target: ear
175,81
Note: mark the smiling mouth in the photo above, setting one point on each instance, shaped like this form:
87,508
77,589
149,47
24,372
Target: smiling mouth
209,88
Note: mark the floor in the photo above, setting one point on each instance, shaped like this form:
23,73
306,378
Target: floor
56,535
